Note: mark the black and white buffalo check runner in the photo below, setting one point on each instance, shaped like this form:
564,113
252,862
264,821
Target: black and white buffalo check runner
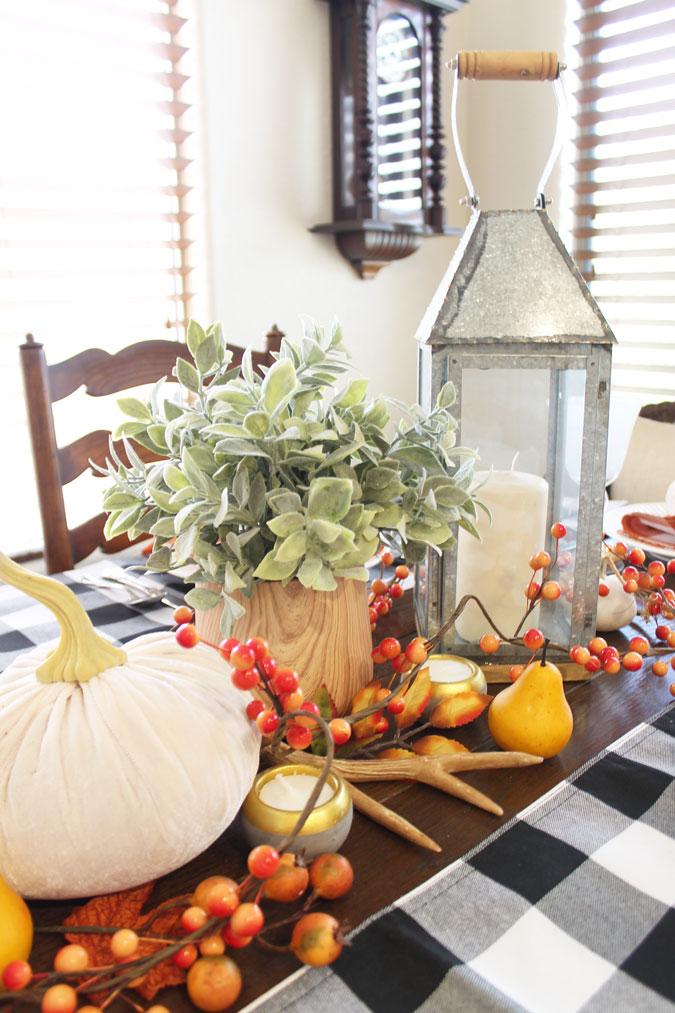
24,623
567,907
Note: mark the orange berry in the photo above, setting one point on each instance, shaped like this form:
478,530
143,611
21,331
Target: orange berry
213,983
515,671
550,590
660,668
489,643
378,586
632,661
596,645
672,689
124,943
71,959
212,946
331,875
59,999
639,644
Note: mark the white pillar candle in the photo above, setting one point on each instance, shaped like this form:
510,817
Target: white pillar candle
290,792
497,569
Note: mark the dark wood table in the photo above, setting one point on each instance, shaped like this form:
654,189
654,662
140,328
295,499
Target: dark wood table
386,866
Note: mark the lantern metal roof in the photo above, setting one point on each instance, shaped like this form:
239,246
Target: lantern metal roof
511,279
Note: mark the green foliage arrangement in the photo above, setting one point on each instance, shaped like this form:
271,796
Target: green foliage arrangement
284,475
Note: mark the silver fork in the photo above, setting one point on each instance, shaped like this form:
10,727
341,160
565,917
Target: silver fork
138,590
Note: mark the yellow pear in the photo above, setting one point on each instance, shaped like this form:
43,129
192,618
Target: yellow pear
532,715
16,927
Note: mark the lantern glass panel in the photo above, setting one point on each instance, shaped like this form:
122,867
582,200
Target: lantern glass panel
526,424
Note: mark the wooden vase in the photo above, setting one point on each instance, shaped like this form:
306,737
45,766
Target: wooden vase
324,635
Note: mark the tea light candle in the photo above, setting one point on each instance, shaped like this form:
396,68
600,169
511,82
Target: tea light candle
496,569
272,808
451,675
291,792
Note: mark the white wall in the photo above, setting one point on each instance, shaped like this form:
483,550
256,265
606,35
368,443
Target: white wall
267,111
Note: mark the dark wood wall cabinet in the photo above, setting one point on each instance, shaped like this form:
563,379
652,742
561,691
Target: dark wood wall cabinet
388,138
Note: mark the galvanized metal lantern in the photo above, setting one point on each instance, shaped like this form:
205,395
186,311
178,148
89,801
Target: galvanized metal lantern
515,328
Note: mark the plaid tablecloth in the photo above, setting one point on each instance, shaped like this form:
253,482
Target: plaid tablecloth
567,907
25,623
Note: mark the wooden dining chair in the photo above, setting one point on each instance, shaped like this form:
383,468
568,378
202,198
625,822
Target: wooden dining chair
99,373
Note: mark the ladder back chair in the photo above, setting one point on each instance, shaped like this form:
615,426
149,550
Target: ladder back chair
100,373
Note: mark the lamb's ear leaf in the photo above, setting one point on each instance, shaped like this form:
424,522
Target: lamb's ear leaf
279,384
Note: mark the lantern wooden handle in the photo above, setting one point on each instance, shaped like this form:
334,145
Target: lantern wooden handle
507,65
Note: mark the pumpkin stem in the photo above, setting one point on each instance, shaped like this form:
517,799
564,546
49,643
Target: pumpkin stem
81,653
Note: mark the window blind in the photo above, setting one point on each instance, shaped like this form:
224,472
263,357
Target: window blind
97,203
623,234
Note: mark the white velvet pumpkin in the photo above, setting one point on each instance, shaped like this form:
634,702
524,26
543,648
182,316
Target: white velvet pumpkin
110,782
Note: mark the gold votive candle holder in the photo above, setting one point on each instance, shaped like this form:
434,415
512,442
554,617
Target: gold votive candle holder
451,674
326,827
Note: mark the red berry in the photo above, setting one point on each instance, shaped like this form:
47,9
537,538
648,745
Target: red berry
658,582
532,590
381,725
533,639
396,591
285,680
186,956
558,531
186,636
386,558
247,920
607,654
630,573
579,655
259,647
671,566
654,608
489,643
636,556
267,722
232,938
612,666
253,708
593,665
515,671
632,661
396,706
390,648
298,737
226,646
222,899
416,651
269,666
382,607
242,657
639,644
16,975
603,590
656,568
374,614
245,679
311,709
263,861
